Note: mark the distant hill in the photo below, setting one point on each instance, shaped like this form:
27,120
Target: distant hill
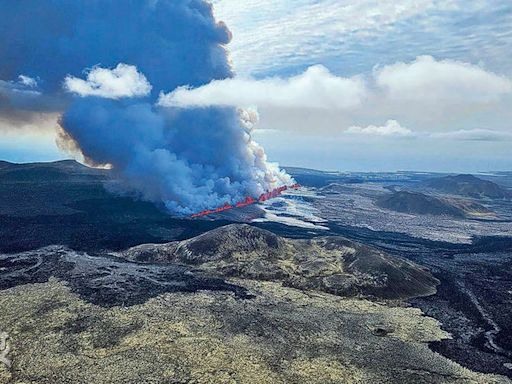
66,203
421,204
467,185
65,170
331,264
33,189
418,203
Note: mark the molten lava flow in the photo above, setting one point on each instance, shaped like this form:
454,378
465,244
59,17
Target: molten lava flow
248,201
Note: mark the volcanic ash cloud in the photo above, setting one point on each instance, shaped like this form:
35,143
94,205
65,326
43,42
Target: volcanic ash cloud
102,64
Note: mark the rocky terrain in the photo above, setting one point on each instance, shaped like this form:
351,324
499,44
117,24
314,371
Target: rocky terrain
282,335
236,304
104,280
330,264
471,256
330,288
354,205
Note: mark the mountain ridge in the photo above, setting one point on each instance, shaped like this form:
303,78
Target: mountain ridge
467,185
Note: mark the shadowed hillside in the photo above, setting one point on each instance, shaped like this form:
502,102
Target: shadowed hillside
68,203
468,185
421,204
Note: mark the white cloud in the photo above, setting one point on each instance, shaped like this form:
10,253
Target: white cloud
269,34
24,86
276,36
445,81
27,81
391,128
121,81
474,135
425,90
315,88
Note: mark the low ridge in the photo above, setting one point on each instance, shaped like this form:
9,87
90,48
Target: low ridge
468,185
330,264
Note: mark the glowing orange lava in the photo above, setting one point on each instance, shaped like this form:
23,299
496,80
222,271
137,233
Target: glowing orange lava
248,201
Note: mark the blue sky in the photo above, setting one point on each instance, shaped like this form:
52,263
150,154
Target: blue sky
395,85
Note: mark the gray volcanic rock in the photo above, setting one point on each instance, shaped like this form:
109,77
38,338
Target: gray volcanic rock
331,264
105,281
468,185
280,336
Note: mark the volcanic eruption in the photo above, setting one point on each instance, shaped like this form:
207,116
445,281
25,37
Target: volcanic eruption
102,64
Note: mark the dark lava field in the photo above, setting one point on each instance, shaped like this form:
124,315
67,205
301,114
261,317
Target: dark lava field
59,221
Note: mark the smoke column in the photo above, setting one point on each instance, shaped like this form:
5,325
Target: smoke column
104,63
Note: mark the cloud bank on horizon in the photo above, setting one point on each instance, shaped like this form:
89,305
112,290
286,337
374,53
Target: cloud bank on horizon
418,88
100,65
425,80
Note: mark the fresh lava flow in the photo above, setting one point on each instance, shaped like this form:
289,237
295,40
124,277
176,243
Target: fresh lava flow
248,201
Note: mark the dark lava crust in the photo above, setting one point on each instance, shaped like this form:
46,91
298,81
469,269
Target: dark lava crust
105,281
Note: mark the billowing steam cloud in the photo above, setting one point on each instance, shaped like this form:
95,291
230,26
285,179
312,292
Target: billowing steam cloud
104,63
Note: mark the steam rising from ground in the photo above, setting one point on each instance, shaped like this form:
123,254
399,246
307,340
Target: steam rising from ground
104,63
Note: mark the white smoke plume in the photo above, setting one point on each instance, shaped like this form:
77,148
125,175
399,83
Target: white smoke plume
188,159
